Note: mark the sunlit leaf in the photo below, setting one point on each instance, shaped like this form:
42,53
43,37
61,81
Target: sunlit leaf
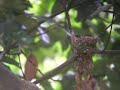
10,61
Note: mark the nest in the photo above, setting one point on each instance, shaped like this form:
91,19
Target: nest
83,46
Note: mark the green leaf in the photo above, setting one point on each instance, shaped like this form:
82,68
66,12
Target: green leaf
10,61
27,21
16,6
57,7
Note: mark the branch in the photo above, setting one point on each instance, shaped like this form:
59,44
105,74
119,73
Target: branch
2,53
68,62
100,9
55,71
108,52
72,5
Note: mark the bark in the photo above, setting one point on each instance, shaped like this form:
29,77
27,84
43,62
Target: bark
8,81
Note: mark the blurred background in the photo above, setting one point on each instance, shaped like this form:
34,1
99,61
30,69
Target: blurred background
36,30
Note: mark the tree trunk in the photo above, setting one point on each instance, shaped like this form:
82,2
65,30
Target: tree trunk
8,81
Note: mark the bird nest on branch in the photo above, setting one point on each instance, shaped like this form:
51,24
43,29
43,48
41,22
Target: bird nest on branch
83,46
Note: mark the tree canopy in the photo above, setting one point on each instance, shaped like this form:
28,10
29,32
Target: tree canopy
35,39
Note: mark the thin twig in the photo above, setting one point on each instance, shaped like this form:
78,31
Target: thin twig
21,66
33,63
101,9
105,29
6,51
72,5
111,26
68,18
110,30
66,10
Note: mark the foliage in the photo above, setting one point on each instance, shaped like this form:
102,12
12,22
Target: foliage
25,28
